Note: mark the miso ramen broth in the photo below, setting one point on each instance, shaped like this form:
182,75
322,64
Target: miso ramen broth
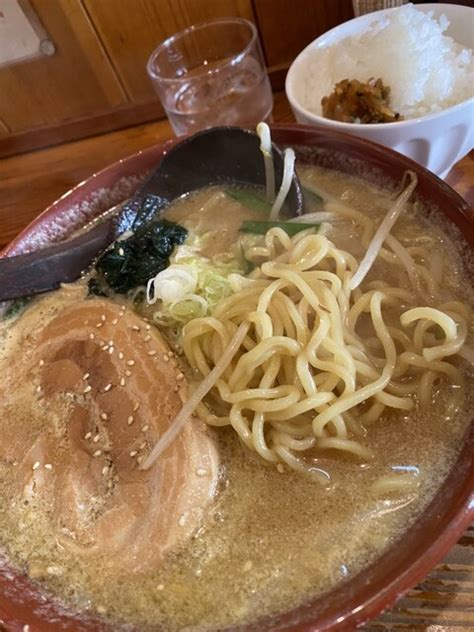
271,537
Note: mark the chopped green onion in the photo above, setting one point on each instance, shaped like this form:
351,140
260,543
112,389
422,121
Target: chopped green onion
260,228
250,199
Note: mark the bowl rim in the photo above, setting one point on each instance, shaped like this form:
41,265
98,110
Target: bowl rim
448,519
290,80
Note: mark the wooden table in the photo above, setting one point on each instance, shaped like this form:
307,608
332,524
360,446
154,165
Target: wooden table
444,601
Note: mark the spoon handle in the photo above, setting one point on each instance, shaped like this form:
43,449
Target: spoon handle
46,269
220,155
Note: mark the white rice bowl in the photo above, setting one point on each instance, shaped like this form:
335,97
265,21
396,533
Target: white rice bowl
426,70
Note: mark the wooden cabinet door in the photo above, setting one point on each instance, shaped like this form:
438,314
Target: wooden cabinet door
131,29
96,80
77,81
287,26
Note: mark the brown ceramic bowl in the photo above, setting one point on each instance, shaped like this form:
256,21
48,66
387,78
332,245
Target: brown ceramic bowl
439,526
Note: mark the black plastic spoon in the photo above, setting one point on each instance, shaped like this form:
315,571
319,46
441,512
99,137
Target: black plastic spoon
221,155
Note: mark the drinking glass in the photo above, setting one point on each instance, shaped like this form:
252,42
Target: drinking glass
212,74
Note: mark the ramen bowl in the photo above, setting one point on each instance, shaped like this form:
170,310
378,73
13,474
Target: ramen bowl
438,140
437,528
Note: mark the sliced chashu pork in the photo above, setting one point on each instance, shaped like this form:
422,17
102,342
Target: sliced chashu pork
102,387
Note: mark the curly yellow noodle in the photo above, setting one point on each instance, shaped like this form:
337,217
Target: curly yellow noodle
397,483
320,362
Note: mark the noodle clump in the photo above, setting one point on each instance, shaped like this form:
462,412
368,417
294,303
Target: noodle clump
321,361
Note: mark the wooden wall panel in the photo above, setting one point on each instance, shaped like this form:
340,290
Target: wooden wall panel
4,131
287,26
77,81
131,29
97,81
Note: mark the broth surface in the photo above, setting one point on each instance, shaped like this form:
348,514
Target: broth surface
273,538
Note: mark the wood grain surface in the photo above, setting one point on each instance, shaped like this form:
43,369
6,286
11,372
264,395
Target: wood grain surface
444,601
284,37
96,80
77,80
139,26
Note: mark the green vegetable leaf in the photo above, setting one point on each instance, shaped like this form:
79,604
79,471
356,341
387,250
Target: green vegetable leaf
311,196
250,199
17,306
260,228
132,262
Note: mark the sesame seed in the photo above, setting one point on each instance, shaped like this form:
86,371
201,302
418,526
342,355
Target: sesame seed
41,362
135,406
97,453
102,318
91,336
133,453
105,348
128,373
120,355
140,459
48,466
115,321
85,376
170,354
110,483
96,439
88,389
147,338
88,435
160,587
26,628
130,420
165,358
179,376
105,470
36,465
201,471
182,520
142,445
280,468
145,428
122,381
147,327
130,362
111,343
38,389
152,352
107,388
111,350
104,416
135,328
99,325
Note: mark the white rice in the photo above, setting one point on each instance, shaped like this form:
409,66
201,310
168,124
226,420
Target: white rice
426,70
